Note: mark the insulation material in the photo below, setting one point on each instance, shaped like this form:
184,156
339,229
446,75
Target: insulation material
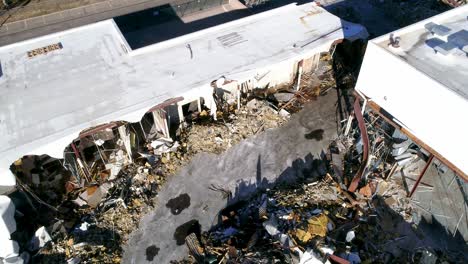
160,122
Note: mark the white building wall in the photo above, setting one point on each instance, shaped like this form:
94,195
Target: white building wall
432,112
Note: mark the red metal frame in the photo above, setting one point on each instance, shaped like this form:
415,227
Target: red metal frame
416,184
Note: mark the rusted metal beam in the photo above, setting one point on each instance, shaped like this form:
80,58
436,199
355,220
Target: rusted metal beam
96,129
338,260
416,184
166,103
389,119
365,141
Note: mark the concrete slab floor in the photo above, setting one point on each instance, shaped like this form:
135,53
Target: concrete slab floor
440,204
276,155
446,201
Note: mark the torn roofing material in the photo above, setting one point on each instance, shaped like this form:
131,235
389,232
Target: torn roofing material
425,90
94,78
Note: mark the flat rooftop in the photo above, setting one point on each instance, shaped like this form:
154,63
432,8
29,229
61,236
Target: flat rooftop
55,86
438,47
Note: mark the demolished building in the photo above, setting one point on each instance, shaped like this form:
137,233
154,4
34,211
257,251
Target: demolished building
96,57
59,89
420,88
421,85
268,228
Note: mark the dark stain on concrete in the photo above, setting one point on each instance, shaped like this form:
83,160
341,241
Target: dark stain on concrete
151,252
316,134
178,204
181,232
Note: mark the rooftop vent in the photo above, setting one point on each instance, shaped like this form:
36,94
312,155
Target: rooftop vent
445,43
438,30
445,48
231,39
459,39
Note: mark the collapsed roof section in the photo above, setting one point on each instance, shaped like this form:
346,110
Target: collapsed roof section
57,85
421,83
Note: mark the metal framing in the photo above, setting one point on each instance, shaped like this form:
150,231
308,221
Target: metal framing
416,184
389,118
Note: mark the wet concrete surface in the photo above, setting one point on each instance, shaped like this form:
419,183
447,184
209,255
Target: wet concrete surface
277,155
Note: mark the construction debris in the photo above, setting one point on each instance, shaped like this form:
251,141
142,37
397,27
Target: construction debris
347,213
85,214
241,124
322,221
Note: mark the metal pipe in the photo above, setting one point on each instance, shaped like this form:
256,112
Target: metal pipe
365,141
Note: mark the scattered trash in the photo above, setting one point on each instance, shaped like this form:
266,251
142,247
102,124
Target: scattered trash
308,257
353,258
75,260
92,212
284,113
83,227
40,239
271,226
9,248
350,236
321,221
426,256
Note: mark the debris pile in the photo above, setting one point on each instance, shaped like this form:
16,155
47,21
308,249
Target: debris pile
101,228
256,117
349,215
307,223
82,208
324,221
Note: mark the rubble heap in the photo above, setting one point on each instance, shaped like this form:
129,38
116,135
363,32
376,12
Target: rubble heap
307,223
323,221
294,224
86,213
109,212
216,138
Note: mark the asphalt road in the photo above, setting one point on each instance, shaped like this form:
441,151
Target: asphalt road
60,21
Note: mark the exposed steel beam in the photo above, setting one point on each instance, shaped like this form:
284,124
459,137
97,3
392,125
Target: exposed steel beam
166,103
96,129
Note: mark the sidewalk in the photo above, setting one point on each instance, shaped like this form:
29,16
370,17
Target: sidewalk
75,17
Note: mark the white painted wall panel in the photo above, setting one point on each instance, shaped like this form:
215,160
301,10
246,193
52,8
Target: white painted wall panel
434,113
